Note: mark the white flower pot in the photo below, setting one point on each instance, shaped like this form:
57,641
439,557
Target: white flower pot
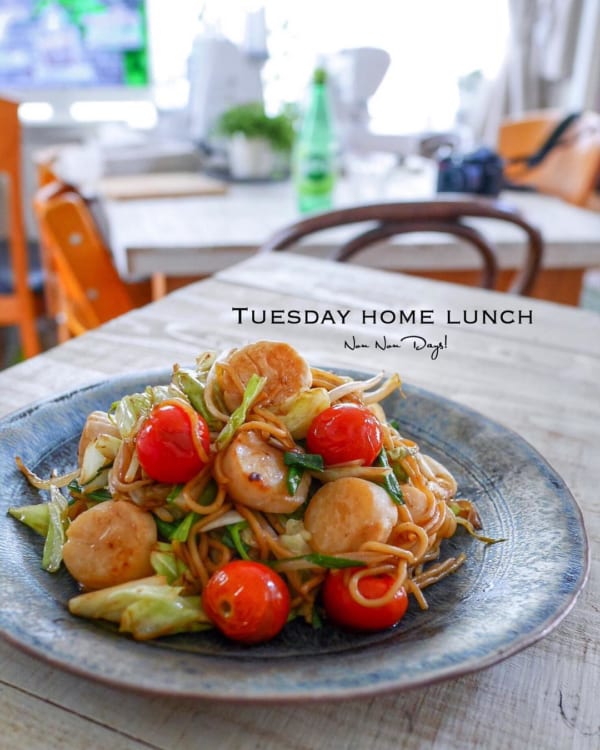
250,158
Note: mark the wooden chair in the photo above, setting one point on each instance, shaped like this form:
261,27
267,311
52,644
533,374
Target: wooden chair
87,290
17,306
439,216
44,163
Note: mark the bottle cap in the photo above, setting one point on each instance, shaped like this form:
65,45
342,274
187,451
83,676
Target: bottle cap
320,76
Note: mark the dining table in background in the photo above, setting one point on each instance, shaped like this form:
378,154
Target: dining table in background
196,235
539,378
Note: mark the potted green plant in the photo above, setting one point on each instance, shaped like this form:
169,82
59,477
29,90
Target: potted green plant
257,143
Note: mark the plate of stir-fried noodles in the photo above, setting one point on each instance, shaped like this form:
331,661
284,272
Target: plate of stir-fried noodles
257,527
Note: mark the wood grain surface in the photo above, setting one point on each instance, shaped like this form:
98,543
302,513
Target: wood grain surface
539,379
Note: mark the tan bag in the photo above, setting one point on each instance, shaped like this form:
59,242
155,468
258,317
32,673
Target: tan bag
553,154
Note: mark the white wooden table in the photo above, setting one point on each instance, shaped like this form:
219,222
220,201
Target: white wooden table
541,380
192,236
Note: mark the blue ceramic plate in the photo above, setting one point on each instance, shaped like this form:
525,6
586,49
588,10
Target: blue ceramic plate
503,599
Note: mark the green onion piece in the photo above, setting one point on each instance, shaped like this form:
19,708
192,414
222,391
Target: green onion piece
165,529
323,561
179,530
395,424
182,531
390,483
194,391
97,496
208,494
234,531
55,538
334,563
99,482
399,472
253,388
310,461
175,492
316,621
294,477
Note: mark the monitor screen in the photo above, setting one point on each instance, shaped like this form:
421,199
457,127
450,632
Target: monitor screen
62,44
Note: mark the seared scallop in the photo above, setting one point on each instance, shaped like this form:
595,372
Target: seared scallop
287,373
344,514
257,476
109,544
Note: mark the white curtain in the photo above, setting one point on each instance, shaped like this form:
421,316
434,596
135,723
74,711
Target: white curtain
585,88
539,63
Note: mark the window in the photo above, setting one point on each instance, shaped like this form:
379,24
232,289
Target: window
433,44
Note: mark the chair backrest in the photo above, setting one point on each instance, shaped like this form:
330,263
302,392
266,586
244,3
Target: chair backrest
44,162
88,290
439,216
17,306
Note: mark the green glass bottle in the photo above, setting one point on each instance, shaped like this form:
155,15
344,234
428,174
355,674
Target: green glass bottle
314,163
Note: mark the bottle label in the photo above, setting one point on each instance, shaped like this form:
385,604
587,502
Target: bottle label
316,168
316,175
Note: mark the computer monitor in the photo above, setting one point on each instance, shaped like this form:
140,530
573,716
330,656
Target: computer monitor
62,52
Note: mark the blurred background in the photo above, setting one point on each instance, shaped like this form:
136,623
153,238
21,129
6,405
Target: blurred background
124,71
338,103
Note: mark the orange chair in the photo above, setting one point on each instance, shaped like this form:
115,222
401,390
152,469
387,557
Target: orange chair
86,288
17,307
44,162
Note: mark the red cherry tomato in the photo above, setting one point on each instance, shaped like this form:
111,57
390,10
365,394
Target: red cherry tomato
345,432
247,601
343,610
166,444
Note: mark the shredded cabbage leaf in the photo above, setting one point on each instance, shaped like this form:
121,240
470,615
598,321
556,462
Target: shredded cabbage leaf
55,536
238,417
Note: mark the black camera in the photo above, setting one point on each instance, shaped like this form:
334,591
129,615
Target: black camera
479,173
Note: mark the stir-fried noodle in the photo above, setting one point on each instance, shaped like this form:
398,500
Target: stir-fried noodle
264,402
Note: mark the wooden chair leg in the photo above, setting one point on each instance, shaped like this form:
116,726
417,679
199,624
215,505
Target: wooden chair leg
29,337
158,285
27,323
